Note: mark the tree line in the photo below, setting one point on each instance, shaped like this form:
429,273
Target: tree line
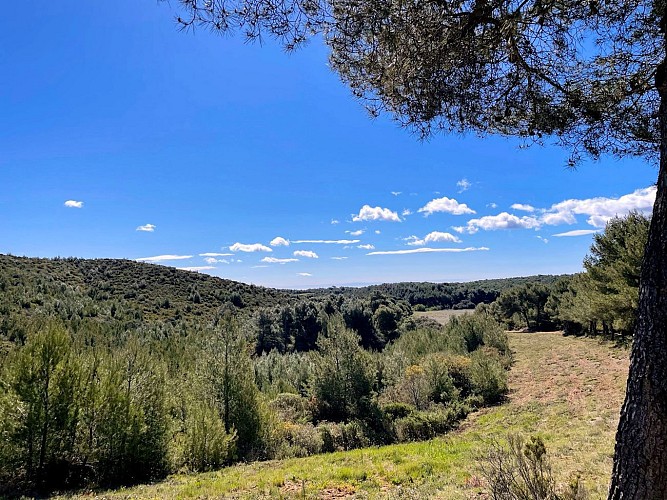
601,300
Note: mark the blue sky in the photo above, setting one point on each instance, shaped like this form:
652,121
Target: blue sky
171,144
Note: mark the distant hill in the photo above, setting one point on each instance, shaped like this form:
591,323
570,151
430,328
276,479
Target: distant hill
102,287
437,295
140,293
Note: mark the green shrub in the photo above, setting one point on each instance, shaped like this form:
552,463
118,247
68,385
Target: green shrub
488,377
342,436
394,411
422,425
291,407
299,440
205,445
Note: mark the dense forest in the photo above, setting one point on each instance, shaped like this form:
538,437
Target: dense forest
114,372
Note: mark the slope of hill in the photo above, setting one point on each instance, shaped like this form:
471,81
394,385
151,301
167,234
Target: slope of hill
567,390
116,288
100,287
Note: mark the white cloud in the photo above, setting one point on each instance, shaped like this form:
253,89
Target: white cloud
213,260
598,220
558,218
253,247
329,242
502,221
429,250
215,254
258,267
523,207
149,228
368,213
279,241
377,231
356,233
447,205
600,209
463,185
368,246
433,237
304,274
196,268
334,221
576,232
306,253
544,240
406,212
458,229
492,205
73,204
339,258
162,258
274,260
396,193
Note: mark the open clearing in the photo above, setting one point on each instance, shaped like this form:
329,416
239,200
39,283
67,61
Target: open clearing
443,316
568,390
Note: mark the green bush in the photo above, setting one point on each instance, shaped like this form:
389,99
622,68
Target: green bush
291,407
342,436
205,445
299,440
488,377
422,425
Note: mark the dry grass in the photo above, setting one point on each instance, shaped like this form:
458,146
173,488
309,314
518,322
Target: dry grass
568,390
444,315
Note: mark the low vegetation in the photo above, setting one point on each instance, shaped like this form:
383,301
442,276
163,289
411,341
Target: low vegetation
565,390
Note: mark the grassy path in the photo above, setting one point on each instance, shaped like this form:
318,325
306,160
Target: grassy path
569,390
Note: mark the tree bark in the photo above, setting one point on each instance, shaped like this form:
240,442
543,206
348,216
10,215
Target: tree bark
640,458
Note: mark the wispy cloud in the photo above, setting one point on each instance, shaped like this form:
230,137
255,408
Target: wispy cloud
339,258
274,260
335,221
328,242
213,260
447,205
463,185
433,237
251,247
73,204
304,274
396,193
428,250
163,258
368,213
523,207
196,268
279,241
306,253
215,254
542,239
356,233
576,232
367,246
148,228
406,212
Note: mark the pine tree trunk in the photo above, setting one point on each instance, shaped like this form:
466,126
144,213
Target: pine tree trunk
640,459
